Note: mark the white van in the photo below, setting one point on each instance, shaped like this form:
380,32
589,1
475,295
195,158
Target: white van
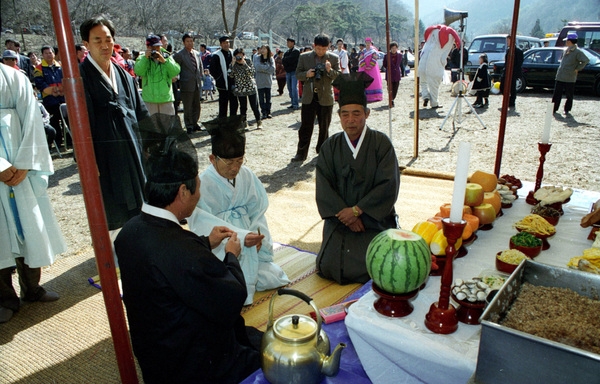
494,46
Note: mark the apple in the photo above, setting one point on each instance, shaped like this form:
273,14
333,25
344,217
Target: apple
488,181
473,194
494,199
485,212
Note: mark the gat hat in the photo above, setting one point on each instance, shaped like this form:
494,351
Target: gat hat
223,38
571,36
227,136
352,88
10,54
153,41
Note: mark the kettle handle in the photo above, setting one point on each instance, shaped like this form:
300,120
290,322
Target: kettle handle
300,295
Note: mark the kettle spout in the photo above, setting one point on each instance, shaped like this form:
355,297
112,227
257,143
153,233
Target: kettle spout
331,364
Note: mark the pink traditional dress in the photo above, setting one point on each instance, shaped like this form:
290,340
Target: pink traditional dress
367,62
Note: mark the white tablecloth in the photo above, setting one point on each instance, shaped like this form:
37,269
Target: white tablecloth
403,350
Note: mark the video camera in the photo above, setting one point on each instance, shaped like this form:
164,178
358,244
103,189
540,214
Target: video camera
155,53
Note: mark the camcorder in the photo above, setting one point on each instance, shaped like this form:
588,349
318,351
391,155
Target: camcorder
319,70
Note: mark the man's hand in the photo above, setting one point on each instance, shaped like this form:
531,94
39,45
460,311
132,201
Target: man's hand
218,234
254,239
7,174
357,226
233,245
327,66
16,176
346,216
310,73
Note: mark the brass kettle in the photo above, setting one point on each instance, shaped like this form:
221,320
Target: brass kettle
295,349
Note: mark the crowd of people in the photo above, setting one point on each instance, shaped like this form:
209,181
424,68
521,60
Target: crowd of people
184,290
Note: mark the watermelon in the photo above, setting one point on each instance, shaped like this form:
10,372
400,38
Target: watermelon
398,261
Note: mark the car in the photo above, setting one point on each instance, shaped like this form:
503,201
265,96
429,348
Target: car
411,59
494,46
588,34
7,30
248,36
380,56
540,66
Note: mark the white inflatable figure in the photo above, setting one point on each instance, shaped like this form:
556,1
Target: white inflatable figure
439,40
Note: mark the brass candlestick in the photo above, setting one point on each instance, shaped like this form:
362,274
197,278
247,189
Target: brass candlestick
441,317
543,148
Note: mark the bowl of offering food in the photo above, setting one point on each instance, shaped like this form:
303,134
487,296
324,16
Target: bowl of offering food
550,214
470,295
507,261
527,243
538,227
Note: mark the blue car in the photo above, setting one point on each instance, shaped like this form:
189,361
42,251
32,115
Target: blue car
540,66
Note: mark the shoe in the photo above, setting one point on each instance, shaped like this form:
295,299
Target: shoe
436,107
298,158
291,107
566,113
189,131
5,314
477,105
48,296
425,102
197,128
259,125
269,116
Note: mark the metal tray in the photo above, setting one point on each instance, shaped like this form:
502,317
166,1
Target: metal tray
510,356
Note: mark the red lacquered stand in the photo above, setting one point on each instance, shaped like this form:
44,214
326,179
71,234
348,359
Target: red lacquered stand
441,317
544,148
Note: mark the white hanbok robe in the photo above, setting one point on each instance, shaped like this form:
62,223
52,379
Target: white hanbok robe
23,144
241,208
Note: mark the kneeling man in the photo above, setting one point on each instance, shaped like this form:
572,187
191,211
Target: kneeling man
183,303
357,186
232,195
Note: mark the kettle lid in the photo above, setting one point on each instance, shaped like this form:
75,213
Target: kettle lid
295,328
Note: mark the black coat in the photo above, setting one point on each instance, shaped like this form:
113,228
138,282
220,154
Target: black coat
117,144
183,305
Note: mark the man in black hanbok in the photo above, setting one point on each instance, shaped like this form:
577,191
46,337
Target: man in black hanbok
357,186
114,109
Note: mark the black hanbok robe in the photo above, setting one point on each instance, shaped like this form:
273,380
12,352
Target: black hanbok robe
117,144
372,182
183,305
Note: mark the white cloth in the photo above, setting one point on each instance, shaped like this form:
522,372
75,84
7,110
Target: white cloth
403,350
224,68
343,55
23,145
241,208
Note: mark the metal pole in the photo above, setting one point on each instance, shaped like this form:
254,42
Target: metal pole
88,174
416,73
389,66
510,63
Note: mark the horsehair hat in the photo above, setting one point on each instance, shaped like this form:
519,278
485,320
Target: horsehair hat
352,88
227,136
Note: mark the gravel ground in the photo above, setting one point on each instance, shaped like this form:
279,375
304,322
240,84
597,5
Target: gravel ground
573,160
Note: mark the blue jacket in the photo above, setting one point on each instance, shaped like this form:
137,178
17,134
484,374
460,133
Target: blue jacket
45,76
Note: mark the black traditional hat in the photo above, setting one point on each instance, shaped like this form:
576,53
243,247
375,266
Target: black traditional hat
352,88
162,138
227,136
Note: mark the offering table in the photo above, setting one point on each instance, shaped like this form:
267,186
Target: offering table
403,350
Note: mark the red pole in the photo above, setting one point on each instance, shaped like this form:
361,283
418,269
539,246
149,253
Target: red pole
510,63
88,174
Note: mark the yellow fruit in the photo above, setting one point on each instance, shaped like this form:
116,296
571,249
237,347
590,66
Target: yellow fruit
425,229
488,181
439,243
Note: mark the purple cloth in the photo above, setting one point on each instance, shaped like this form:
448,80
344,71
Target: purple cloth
351,370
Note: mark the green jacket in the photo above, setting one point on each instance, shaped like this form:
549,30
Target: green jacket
573,60
157,78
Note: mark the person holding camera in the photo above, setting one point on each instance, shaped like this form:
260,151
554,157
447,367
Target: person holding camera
316,69
243,72
157,69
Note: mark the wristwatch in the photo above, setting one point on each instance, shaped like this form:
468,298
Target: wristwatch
355,211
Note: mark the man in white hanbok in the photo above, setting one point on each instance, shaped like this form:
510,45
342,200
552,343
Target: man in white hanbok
29,233
232,195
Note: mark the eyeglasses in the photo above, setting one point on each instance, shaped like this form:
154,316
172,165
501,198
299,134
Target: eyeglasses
229,162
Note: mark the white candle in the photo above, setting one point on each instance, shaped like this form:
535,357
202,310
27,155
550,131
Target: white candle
547,123
460,182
